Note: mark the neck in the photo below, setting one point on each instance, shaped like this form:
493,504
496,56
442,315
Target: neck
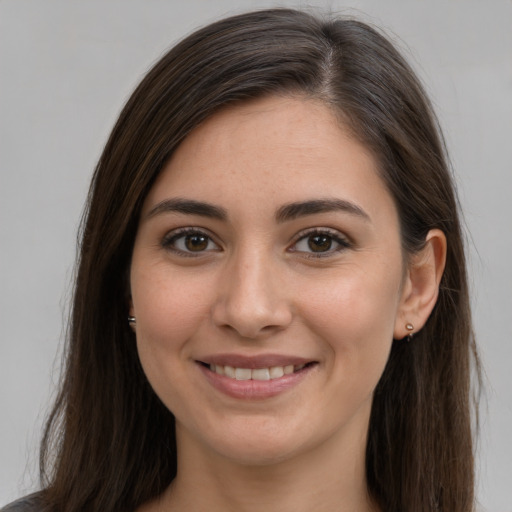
327,478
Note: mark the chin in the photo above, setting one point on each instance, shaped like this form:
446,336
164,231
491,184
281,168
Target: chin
265,440
245,440
264,451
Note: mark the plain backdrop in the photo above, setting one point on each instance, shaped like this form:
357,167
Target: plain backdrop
66,69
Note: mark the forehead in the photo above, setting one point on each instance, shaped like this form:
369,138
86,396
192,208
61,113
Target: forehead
271,150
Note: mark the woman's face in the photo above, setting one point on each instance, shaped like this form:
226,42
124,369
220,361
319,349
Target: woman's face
266,283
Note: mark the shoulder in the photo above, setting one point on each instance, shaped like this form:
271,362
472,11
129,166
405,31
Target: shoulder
31,503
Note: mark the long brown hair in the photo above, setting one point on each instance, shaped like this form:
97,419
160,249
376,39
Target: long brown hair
109,443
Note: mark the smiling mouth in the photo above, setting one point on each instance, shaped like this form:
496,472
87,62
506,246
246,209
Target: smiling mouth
261,374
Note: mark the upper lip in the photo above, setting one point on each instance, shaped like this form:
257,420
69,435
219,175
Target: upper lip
252,362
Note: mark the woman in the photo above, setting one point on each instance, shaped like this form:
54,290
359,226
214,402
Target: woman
271,302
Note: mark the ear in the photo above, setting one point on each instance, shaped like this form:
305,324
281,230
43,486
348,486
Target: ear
421,285
131,314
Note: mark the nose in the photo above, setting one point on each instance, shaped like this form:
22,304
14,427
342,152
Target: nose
252,298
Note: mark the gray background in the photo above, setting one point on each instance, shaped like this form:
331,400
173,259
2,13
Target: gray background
66,68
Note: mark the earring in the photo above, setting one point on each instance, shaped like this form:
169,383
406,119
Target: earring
410,328
132,321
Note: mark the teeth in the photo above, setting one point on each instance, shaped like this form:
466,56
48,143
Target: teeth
261,374
274,372
229,371
242,374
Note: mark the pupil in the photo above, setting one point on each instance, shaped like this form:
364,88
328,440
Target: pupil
196,242
319,243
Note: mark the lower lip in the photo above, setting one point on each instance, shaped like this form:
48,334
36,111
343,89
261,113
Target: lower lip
254,389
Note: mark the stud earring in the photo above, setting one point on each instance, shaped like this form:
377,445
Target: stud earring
132,321
410,328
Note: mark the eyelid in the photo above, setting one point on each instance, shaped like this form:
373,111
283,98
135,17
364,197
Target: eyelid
342,240
175,234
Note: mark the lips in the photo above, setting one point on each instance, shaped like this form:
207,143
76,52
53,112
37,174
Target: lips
256,377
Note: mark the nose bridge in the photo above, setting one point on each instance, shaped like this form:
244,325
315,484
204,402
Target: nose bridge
252,300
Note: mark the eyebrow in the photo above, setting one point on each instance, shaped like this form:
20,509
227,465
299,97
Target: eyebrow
285,213
189,207
300,209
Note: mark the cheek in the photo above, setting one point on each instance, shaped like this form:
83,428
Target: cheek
169,312
168,305
353,316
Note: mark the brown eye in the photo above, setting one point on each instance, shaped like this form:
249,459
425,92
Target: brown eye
196,242
188,242
320,243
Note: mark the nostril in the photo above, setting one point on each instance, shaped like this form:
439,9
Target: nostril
250,302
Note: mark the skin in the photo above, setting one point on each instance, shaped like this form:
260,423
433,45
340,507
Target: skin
253,285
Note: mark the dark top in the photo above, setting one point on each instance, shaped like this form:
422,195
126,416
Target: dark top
30,503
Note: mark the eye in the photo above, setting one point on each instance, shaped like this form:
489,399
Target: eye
320,243
189,242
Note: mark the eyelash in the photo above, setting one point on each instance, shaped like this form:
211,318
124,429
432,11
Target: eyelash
332,236
170,240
